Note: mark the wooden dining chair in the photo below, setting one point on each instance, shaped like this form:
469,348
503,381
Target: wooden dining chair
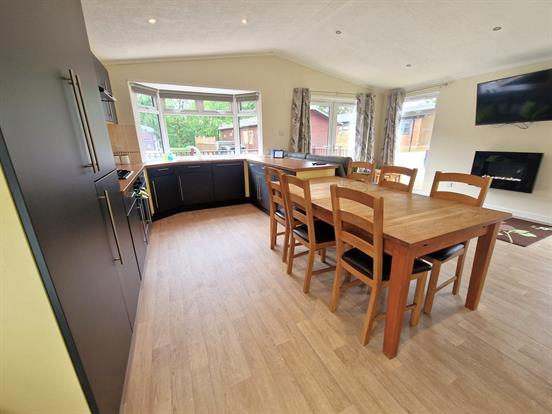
458,250
361,171
390,177
315,235
277,209
366,260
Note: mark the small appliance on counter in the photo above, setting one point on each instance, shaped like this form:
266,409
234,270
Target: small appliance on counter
124,174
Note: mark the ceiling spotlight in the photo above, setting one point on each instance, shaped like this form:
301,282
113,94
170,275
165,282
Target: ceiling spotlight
338,32
497,28
408,65
244,21
152,21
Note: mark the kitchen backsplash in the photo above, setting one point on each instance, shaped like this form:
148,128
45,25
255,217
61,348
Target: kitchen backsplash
124,141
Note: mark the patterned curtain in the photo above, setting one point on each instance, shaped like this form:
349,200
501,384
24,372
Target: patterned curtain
300,137
392,121
364,134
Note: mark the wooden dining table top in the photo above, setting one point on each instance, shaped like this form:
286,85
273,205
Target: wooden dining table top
409,219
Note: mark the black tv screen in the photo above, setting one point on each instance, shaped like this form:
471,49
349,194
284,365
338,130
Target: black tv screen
522,98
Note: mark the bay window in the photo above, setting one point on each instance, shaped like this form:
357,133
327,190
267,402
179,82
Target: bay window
194,121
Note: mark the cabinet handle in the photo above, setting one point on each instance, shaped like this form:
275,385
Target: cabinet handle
259,187
180,187
163,169
228,165
73,81
87,121
193,166
113,227
154,193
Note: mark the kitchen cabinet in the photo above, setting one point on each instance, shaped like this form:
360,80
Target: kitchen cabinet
58,158
166,190
120,241
195,184
228,181
104,90
258,189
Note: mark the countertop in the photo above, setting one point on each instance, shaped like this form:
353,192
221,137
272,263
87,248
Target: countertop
290,164
135,168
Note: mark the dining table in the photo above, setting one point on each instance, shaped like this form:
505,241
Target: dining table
413,226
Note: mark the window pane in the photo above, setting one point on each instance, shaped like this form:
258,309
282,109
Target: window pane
145,100
150,135
180,104
223,106
210,134
320,127
249,136
345,130
248,105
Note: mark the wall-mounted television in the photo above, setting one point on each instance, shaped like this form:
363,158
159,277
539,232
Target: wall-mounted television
517,99
513,171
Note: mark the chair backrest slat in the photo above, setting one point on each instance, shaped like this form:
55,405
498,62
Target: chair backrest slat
355,168
275,196
299,206
389,170
482,183
347,224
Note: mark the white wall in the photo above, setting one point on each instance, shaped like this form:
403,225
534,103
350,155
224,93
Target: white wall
274,77
456,138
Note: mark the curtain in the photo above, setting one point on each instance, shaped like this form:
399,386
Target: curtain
300,137
392,121
364,133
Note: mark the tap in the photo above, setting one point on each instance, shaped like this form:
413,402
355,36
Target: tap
196,150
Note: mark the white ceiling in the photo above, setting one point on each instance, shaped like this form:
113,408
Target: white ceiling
441,39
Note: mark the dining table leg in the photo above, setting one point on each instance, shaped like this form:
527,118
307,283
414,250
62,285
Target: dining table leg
481,261
399,283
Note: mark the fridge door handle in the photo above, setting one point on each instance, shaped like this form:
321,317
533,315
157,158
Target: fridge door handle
113,226
87,121
73,81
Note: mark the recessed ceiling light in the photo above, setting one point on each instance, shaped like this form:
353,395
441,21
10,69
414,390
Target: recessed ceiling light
244,21
338,32
408,65
152,21
497,28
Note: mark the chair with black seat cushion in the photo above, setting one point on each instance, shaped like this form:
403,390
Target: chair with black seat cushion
442,256
390,176
277,207
315,235
361,171
365,259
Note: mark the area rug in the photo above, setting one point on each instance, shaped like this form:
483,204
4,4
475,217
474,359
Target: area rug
522,232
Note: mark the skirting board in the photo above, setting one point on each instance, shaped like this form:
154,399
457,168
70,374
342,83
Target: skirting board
539,218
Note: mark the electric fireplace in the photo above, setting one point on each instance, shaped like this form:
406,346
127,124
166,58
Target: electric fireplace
513,171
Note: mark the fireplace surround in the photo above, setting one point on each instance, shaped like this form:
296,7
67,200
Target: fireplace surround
512,171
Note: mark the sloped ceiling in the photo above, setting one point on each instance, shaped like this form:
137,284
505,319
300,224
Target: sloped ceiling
441,39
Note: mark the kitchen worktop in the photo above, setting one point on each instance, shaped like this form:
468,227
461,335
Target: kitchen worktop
289,164
136,169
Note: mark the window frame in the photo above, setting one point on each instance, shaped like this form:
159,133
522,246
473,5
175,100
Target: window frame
333,102
161,110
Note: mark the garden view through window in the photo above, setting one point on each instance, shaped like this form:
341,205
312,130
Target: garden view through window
414,133
333,126
188,121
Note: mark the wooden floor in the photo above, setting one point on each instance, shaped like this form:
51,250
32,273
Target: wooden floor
222,328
